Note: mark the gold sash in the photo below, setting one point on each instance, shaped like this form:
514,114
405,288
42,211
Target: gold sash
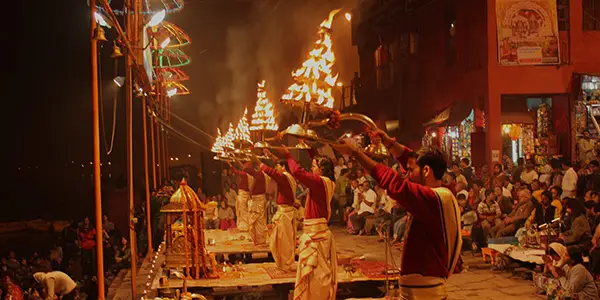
450,212
329,190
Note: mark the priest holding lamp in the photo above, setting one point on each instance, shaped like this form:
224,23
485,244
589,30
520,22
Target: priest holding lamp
283,238
317,259
256,212
433,239
245,182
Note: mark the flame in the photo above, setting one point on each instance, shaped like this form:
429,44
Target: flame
229,137
218,145
241,131
264,114
313,82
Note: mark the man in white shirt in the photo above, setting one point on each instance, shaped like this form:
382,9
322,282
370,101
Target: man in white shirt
364,200
529,174
569,182
506,186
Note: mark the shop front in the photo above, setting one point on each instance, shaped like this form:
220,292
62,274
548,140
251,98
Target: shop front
451,130
586,131
532,128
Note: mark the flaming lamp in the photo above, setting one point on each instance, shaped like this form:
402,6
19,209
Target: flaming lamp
312,90
218,147
313,82
241,135
263,119
233,137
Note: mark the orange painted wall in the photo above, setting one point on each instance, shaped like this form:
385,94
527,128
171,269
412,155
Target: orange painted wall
430,84
584,58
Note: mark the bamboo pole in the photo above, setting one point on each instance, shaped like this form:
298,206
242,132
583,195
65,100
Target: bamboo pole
146,175
153,145
164,137
168,116
159,163
129,121
96,159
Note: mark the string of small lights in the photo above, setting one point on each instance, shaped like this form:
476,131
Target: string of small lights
152,274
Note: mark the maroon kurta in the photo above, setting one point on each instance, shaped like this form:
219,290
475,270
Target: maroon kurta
316,203
285,195
425,251
242,178
260,186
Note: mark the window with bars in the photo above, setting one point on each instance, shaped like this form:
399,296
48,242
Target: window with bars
562,9
591,15
384,73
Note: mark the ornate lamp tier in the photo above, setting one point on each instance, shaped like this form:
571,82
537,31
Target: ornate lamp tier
149,7
174,88
172,58
174,74
178,37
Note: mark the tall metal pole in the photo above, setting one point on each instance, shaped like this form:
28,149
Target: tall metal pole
96,159
164,139
129,120
158,91
168,118
147,180
138,33
153,145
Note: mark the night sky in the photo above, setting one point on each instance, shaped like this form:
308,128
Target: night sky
48,105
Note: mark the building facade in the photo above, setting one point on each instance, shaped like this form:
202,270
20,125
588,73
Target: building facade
435,63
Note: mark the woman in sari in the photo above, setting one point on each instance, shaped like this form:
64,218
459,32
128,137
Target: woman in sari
578,283
574,280
548,281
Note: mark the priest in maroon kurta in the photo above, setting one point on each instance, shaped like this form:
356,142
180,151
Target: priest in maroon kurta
432,243
244,182
283,237
257,211
317,260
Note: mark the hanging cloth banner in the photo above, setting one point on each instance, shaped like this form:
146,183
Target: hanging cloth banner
527,32
147,57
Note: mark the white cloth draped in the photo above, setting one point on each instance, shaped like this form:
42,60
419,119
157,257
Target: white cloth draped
283,238
257,219
241,210
317,263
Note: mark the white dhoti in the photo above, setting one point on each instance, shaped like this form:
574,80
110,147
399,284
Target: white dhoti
283,238
417,287
257,219
242,210
317,263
